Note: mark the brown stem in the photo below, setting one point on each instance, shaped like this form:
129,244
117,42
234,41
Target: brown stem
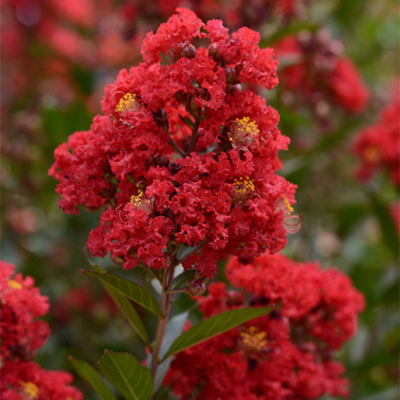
192,143
176,147
166,302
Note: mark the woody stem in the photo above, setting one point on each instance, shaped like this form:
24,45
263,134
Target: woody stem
166,302
193,139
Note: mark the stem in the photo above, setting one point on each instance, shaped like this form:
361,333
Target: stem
192,143
156,276
166,302
176,147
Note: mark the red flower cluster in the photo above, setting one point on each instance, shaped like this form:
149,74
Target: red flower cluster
183,156
21,304
320,75
288,354
378,145
21,335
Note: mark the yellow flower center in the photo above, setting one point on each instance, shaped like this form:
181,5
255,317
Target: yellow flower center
243,188
243,134
14,284
253,338
30,389
288,206
127,103
245,126
138,200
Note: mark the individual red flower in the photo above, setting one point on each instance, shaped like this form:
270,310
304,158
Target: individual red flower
378,145
287,354
21,304
181,155
27,381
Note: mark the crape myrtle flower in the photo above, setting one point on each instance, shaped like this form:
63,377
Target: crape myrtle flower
323,302
28,381
21,335
21,304
182,155
288,354
320,75
378,145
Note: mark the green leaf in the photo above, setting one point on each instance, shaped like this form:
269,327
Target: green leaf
183,277
129,289
87,372
213,326
124,372
125,307
187,121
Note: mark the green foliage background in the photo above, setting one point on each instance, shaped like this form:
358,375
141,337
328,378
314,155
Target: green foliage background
345,223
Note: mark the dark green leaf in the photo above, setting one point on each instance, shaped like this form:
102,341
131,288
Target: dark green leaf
187,121
88,373
126,307
183,277
125,373
130,289
214,326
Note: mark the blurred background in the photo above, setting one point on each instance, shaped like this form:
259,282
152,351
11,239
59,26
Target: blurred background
339,102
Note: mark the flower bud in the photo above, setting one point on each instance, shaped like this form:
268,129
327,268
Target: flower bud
118,260
189,51
213,52
231,76
161,160
234,89
196,288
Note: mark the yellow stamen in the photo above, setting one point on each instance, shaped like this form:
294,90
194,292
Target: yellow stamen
137,201
30,389
14,284
288,206
127,103
253,338
244,125
244,186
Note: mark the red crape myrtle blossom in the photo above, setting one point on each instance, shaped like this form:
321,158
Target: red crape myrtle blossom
378,145
320,75
323,302
27,381
288,354
21,335
21,304
182,155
